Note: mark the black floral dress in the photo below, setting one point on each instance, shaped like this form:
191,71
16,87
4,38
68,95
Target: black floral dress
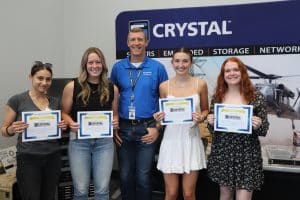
235,160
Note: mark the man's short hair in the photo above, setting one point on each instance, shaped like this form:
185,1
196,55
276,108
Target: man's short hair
138,30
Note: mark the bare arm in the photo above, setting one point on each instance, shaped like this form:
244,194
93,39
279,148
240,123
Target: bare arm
9,126
67,102
115,106
203,92
153,132
163,90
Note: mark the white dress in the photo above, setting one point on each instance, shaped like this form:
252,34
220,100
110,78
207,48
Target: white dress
181,148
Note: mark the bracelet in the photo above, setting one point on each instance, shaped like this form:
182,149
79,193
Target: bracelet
7,133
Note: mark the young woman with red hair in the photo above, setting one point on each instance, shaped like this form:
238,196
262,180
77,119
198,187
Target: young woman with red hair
235,162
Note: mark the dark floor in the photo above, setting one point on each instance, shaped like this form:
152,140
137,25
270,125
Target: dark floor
277,186
116,195
157,194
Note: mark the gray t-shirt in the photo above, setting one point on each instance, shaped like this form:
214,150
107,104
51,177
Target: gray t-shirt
21,103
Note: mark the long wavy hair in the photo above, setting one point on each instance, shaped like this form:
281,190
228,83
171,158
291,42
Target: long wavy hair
246,87
103,87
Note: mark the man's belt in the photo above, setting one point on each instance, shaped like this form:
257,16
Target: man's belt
135,122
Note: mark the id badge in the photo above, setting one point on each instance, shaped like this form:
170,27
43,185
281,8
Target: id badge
131,114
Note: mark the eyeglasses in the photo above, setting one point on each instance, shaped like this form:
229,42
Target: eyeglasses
41,64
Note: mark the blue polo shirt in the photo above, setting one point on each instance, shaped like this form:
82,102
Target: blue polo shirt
146,90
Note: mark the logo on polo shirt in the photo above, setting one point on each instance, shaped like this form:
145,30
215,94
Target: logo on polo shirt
147,73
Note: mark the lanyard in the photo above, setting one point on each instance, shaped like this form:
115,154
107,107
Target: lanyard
133,83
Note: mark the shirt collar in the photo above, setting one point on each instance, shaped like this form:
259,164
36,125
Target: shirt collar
130,66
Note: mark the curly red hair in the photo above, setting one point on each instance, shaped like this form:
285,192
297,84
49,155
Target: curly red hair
246,87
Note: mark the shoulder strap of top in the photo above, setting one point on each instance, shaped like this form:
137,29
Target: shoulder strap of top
111,91
76,89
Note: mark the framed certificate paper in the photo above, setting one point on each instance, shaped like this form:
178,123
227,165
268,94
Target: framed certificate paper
42,125
233,118
95,124
177,110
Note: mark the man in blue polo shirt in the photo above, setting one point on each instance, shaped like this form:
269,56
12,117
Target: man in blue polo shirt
138,78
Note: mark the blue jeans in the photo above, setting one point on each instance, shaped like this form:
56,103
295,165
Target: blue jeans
91,156
135,162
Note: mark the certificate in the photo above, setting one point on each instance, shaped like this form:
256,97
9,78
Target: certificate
233,118
42,125
177,110
95,124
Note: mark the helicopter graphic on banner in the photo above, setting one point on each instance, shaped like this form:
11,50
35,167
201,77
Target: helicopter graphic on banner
278,96
281,100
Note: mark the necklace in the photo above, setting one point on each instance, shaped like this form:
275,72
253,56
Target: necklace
41,102
94,91
93,87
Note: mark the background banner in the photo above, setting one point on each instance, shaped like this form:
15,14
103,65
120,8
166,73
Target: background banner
251,29
265,36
